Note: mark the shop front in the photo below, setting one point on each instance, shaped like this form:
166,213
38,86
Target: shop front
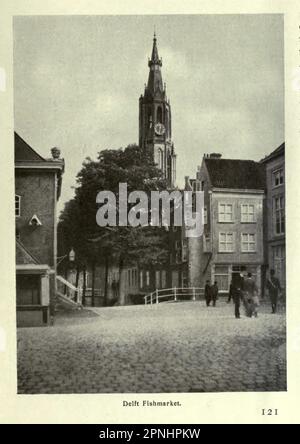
33,294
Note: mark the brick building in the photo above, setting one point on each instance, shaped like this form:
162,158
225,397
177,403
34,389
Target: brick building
233,222
274,165
37,189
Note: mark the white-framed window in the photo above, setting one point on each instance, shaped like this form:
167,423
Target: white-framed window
279,263
175,278
279,216
247,213
129,276
157,278
184,279
226,242
205,215
248,242
163,278
225,212
147,278
141,279
17,205
221,276
133,277
278,177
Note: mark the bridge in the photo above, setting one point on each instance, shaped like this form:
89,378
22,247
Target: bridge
67,294
71,297
174,294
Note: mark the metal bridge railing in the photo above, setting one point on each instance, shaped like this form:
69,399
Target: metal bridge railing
175,294
67,290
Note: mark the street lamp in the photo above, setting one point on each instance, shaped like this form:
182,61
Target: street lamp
72,255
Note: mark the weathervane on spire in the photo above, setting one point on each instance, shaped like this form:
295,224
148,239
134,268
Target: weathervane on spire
155,60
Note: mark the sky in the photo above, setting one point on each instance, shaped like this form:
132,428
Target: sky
77,81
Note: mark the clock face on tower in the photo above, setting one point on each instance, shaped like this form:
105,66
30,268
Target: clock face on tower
159,129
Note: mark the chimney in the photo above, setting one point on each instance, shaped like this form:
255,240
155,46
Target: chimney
187,186
55,153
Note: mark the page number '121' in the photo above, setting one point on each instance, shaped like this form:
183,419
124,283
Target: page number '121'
269,412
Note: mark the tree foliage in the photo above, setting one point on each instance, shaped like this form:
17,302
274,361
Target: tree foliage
78,227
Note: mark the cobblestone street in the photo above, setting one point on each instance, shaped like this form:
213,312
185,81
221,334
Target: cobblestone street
172,347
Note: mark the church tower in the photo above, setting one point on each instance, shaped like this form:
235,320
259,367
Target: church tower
155,125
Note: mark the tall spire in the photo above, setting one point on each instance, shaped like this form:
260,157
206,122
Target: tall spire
155,120
155,60
155,83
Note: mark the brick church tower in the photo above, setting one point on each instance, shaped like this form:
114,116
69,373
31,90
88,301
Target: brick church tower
155,121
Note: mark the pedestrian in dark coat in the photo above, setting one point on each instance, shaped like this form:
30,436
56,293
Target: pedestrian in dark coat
237,292
274,287
214,293
207,293
231,293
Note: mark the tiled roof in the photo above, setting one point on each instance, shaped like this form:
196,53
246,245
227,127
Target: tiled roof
235,174
24,152
278,152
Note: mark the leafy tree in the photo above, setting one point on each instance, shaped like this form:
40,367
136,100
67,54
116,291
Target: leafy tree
94,244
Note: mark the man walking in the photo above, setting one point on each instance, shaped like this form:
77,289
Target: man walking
207,293
274,287
237,292
214,293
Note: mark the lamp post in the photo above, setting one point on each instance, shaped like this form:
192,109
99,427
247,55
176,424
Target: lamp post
77,263
72,255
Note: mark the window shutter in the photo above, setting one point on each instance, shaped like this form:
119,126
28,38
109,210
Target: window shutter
255,209
242,246
233,242
241,212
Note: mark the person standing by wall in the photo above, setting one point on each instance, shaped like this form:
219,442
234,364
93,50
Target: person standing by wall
274,288
207,293
214,293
